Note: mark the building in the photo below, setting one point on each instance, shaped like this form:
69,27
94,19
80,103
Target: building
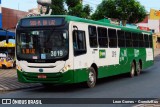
154,25
152,21
10,17
8,22
0,15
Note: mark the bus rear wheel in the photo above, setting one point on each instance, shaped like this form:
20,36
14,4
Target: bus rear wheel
132,72
139,69
91,78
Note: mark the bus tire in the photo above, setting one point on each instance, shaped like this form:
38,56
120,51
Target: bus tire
139,69
91,78
132,72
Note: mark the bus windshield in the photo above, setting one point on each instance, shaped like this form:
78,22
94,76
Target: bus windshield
42,45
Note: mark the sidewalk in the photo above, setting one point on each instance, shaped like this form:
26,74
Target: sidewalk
157,54
9,82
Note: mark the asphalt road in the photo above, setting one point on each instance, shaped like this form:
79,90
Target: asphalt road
147,85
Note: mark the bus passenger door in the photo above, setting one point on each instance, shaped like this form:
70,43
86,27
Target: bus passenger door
79,52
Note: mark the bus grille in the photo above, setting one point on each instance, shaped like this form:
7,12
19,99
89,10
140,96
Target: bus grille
49,77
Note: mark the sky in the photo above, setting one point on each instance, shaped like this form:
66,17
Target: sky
25,5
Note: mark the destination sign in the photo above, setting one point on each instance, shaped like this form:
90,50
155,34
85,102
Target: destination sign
38,22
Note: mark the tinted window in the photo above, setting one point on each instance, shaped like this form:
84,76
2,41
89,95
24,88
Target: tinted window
141,40
102,37
135,39
112,38
121,39
92,36
79,42
128,38
150,41
146,39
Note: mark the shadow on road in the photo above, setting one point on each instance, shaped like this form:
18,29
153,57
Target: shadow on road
80,86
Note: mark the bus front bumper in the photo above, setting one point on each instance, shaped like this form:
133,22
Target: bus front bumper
53,78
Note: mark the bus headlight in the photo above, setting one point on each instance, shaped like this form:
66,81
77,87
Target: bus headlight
66,68
18,68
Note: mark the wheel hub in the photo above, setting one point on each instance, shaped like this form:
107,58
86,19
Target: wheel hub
91,77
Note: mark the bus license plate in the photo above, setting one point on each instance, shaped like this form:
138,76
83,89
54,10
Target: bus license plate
42,76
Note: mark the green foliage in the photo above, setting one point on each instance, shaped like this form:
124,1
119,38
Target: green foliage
75,8
58,7
130,10
72,3
87,10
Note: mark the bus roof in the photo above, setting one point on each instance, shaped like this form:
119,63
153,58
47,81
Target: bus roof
69,18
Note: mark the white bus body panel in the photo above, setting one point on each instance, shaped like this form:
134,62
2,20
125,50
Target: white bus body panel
47,67
92,55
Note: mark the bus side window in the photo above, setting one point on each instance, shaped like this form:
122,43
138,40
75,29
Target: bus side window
150,41
128,38
102,37
121,39
112,38
141,41
135,39
146,39
92,36
79,42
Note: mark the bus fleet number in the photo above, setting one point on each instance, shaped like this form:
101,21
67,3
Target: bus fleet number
113,53
58,53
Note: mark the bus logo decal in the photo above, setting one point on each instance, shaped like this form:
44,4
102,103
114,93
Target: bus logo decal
40,70
136,53
102,53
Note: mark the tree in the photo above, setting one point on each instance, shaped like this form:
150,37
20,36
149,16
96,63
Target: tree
75,8
58,7
128,10
72,3
87,11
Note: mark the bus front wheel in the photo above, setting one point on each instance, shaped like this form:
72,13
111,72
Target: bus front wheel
132,72
91,78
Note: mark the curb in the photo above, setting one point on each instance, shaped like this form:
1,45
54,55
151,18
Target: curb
6,89
9,81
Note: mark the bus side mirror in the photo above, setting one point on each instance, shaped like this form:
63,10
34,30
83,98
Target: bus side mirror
75,27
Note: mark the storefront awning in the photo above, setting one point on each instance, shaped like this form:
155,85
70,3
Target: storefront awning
3,33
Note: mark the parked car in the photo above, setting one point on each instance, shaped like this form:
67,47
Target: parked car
7,62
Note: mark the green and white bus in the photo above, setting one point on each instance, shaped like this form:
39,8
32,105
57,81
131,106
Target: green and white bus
62,49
